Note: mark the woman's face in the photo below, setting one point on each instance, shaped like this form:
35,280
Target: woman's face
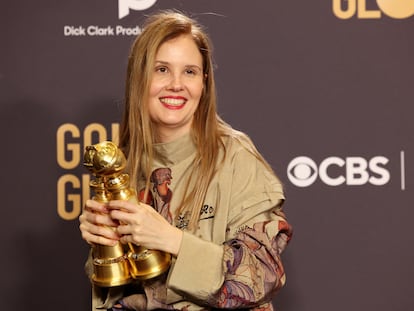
176,87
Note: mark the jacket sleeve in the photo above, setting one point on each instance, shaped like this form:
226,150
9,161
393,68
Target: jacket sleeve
247,269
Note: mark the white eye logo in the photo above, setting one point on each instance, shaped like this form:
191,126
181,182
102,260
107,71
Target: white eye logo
138,5
302,171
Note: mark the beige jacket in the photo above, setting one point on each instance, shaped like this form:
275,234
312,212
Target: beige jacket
233,259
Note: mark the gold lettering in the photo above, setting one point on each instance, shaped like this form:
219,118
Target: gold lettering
74,190
89,131
363,12
63,198
344,14
397,8
63,147
115,133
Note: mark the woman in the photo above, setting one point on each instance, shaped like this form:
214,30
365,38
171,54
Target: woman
212,201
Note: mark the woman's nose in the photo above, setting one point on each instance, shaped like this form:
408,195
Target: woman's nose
175,84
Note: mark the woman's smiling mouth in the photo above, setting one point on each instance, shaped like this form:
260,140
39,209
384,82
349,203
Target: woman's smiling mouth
173,102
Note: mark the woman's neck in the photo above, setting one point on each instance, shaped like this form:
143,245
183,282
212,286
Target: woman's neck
166,136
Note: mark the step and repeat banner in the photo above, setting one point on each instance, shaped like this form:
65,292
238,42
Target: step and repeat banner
324,88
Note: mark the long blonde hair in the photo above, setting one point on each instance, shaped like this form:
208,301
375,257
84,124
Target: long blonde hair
208,129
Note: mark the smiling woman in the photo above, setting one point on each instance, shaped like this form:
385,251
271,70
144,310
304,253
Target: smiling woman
203,187
176,87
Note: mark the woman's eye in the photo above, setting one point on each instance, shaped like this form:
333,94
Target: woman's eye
191,71
161,69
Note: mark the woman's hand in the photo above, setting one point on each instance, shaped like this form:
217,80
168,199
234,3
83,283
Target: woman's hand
142,225
96,224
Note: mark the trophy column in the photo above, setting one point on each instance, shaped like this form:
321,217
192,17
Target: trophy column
110,264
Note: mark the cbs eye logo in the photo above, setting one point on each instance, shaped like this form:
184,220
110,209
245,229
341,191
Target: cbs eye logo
398,9
303,171
138,5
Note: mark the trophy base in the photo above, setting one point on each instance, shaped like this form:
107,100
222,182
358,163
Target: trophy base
109,283
111,274
148,264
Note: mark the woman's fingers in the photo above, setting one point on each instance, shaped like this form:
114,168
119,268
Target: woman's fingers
99,239
98,213
135,223
96,224
96,206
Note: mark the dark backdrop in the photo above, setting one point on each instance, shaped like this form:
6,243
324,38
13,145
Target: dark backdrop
324,88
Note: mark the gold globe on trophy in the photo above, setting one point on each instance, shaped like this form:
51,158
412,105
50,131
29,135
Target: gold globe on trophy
120,264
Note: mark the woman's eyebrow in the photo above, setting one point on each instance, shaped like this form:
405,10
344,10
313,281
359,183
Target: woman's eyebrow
161,62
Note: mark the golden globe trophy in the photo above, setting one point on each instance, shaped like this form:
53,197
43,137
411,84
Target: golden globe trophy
118,265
